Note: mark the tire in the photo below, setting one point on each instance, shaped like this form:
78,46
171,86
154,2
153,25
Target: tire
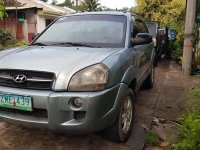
149,82
121,129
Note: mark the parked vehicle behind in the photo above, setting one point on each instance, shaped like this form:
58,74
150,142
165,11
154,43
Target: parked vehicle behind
80,75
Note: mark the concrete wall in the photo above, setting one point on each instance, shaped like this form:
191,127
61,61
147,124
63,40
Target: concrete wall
30,26
41,23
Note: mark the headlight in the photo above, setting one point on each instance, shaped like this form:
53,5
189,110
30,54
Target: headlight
93,78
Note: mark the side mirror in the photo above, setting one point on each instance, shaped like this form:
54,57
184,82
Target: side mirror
142,38
35,35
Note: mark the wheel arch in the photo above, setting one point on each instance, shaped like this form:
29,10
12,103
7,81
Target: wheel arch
130,79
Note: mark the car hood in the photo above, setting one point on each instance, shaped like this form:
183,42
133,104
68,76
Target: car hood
63,61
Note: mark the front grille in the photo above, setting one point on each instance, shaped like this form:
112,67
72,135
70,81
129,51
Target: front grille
34,79
42,113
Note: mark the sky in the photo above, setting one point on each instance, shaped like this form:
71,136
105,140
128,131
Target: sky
113,4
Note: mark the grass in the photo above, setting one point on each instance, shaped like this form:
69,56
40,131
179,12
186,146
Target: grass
189,125
151,139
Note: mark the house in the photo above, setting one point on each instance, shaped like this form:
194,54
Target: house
28,17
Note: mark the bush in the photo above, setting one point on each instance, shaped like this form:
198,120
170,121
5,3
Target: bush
190,124
177,50
5,35
12,43
2,47
177,47
196,50
6,40
20,43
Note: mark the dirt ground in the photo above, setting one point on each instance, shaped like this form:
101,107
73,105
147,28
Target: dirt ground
164,100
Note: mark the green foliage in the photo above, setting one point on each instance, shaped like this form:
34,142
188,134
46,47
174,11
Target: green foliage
44,0
196,50
190,124
90,5
2,9
6,40
20,43
124,9
104,8
67,3
174,15
5,35
2,47
196,37
12,43
177,47
193,100
151,139
54,2
153,10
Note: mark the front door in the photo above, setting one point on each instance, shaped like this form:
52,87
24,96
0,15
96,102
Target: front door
144,52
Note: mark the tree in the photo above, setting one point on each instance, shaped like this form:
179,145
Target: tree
165,11
104,8
2,9
124,9
44,0
54,2
67,3
90,5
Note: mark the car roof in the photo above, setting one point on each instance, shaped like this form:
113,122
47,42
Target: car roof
127,14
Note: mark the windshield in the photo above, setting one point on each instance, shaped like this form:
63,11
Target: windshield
86,30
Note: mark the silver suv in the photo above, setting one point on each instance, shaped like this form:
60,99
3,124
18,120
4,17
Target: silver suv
80,75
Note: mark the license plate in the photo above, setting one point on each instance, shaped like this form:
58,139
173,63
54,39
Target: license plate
16,101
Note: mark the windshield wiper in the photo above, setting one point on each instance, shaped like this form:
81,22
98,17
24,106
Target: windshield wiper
74,44
39,44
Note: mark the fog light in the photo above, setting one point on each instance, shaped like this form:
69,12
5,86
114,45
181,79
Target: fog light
77,102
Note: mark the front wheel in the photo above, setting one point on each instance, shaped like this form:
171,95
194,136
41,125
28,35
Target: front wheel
121,129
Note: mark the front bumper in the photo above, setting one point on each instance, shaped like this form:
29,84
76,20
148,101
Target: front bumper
99,111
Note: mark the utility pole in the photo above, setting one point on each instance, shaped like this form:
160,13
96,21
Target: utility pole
76,5
189,31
